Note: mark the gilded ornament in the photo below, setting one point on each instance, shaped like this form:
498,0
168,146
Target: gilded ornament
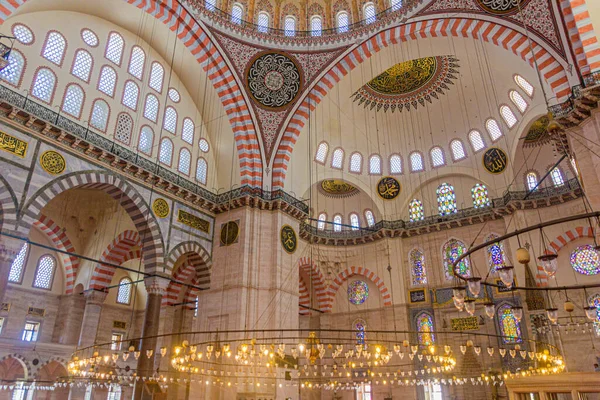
537,134
337,188
52,162
289,240
495,160
388,188
160,208
273,79
11,144
502,7
193,221
229,233
464,324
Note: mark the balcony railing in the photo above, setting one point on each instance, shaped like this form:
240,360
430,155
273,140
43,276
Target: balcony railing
562,110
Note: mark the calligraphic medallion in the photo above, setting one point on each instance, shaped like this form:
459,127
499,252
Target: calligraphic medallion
289,240
337,188
229,233
501,7
13,145
388,188
160,208
274,80
495,160
52,162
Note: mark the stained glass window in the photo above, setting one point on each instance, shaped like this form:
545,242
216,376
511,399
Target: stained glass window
518,101
417,267
415,210
18,265
585,260
100,112
508,115
342,22
354,222
44,84
495,254
524,84
458,150
370,218
510,328
321,152
165,154
446,199
337,223
124,292
146,139
532,180
493,129
201,171
369,13
437,157
203,144
237,11
594,301
452,250
131,93
321,223
107,81
136,62
22,33
290,26
263,22
157,73
395,164
337,159
73,101
316,26
151,107
375,165
480,196
114,48
361,331
55,47
45,272
82,65
416,162
476,141
425,328
187,134
356,163
14,70
185,160
358,292
124,128
557,177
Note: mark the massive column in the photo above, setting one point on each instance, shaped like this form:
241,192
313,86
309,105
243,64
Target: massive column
91,316
9,248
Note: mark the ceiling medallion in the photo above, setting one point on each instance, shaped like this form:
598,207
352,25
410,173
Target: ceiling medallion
274,80
388,188
409,83
337,188
502,7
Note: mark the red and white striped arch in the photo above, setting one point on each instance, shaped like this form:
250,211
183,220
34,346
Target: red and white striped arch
354,271
194,37
303,298
582,34
126,246
569,236
313,279
183,274
61,241
574,37
490,32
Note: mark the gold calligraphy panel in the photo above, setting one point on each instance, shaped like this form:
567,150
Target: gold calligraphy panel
193,221
337,188
11,144
289,240
495,160
388,188
464,324
160,208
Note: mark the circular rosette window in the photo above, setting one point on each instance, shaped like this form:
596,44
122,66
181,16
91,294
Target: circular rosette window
585,260
274,80
358,292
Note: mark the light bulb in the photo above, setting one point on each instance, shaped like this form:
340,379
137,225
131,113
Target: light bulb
552,314
490,310
474,286
591,313
518,312
549,264
470,306
507,275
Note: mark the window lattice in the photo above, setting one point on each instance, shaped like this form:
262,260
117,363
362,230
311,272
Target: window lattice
425,336
54,50
107,81
45,272
114,48
557,177
146,139
316,26
43,85
518,101
151,107
23,34
89,38
446,199
342,22
458,150
210,5
263,22
337,223
124,292
131,92
18,265
370,218
337,159
532,180
356,162
290,26
375,165
136,62
476,140
187,133
437,157
165,155
524,84
203,144
170,120
415,211
236,13
416,162
493,129
480,196
124,128
73,101
99,118
174,95
354,222
395,164
322,152
495,253
82,65
185,160
201,171
396,5
508,116
510,328
369,13
321,223
14,70
157,74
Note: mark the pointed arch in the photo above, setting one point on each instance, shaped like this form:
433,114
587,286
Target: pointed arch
573,234
8,206
308,271
123,248
347,274
303,298
197,256
182,274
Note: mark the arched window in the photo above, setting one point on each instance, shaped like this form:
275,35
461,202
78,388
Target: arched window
73,100
146,140
493,129
532,180
360,326
338,158
196,306
54,49
114,392
437,157
476,141
416,258
165,154
203,144
416,161
356,163
201,171
107,81
185,161
395,164
18,265
495,253
354,222
237,12
100,113
518,101
290,26
23,34
82,65
316,26
322,151
425,328
524,84
557,177
44,84
131,92
369,13
415,210
375,165
508,116
451,251
114,48
342,22
170,120
44,274
157,74
124,128
187,133
337,223
321,223
151,107
458,150
396,5
446,199
510,328
594,301
89,38
210,5
263,22
370,218
124,291
479,193
136,62
13,72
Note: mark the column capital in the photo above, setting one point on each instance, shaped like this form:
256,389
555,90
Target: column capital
93,296
157,284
